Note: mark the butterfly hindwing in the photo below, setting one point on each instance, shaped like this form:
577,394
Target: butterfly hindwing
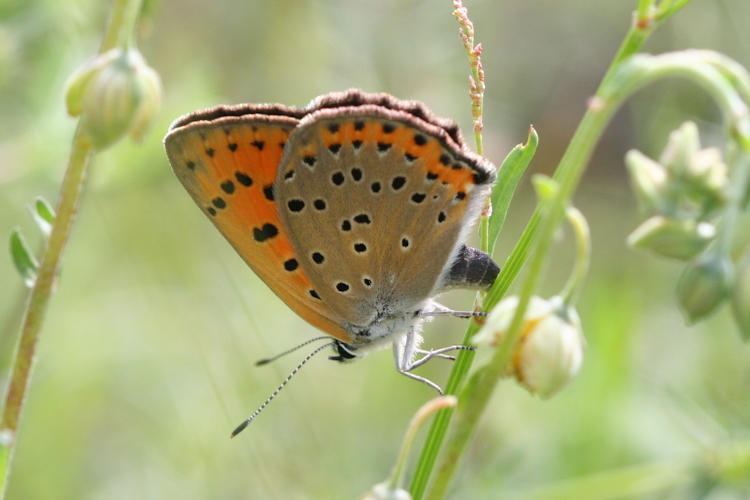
376,201
229,166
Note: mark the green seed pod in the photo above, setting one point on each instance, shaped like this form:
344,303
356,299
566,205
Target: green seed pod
649,179
683,143
673,238
704,285
115,94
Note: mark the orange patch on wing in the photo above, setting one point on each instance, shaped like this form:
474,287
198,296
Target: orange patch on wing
231,169
420,146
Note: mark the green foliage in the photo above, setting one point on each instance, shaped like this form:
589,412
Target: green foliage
23,258
508,177
146,360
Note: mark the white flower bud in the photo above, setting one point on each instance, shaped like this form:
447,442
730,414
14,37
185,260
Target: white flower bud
550,350
382,491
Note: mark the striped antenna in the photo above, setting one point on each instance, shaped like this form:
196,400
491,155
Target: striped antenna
244,424
265,361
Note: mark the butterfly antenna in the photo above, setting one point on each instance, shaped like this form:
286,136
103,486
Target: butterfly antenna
244,424
265,361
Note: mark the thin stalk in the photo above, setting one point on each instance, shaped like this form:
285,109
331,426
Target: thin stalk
118,32
121,25
739,180
632,43
574,285
474,399
631,75
411,432
23,359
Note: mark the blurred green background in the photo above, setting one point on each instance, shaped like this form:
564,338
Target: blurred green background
146,358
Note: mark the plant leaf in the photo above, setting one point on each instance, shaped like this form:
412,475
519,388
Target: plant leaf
44,215
23,259
511,170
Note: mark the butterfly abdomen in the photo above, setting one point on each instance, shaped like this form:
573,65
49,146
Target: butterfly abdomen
471,268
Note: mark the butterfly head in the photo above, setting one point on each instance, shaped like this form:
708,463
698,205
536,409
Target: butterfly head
344,352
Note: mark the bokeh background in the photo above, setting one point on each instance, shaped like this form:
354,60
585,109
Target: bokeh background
146,360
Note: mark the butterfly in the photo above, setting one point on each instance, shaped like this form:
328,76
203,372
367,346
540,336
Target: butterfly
353,210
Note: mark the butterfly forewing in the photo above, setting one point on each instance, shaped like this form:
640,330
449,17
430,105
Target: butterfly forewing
375,202
229,166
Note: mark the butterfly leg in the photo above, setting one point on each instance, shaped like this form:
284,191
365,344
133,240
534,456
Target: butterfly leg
403,353
441,356
438,353
441,310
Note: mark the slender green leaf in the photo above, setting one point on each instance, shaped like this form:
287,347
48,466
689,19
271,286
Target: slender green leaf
508,177
23,259
44,215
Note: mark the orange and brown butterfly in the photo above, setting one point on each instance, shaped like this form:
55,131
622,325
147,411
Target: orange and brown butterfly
353,210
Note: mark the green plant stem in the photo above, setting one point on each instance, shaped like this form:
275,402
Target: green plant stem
119,31
574,285
740,177
634,39
631,75
70,192
474,399
417,420
121,25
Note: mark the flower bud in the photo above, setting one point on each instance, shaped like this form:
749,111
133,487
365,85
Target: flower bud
703,285
674,238
550,350
683,143
741,298
382,491
116,93
648,178
707,165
